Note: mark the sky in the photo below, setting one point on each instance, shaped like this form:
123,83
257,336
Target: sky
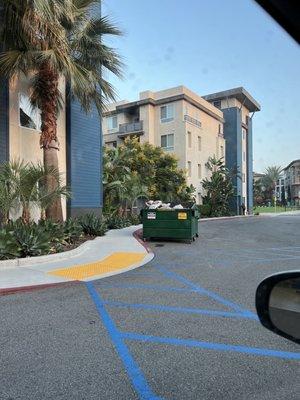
210,46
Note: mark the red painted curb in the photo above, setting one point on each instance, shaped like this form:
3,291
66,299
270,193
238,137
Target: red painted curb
7,291
138,236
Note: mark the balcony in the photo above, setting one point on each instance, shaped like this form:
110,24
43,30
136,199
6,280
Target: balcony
133,128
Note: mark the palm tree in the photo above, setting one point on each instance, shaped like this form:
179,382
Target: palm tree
22,186
46,40
271,176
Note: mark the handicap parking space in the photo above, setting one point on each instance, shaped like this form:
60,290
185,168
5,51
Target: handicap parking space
164,324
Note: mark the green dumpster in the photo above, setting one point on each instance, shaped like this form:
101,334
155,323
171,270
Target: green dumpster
179,224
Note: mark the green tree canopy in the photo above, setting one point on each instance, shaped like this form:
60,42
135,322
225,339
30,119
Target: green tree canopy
156,170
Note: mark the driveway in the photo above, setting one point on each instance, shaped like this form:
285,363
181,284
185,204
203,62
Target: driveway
181,327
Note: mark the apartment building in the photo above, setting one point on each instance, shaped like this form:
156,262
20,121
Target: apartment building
79,156
292,182
238,108
178,120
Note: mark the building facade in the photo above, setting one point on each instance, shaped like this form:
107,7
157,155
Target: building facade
79,136
176,119
292,182
238,108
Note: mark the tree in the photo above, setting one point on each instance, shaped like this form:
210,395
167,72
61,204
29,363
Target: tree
46,40
269,180
23,185
219,187
150,167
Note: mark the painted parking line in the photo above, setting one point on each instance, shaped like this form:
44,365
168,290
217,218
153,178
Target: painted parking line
135,374
212,346
182,310
209,293
158,288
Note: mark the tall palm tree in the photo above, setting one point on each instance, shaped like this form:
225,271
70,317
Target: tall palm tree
271,176
46,40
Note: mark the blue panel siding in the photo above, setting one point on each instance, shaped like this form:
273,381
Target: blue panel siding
84,152
250,167
233,137
4,131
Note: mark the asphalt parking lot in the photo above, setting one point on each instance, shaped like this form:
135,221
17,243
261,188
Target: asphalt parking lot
182,327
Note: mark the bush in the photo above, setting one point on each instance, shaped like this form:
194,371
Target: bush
9,247
116,221
205,210
31,239
135,219
72,230
92,225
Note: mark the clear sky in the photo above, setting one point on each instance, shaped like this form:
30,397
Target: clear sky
214,45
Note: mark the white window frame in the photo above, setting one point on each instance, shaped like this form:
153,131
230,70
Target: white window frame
110,126
167,136
170,112
34,113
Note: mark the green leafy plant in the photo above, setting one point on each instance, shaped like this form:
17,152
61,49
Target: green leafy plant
116,221
31,239
9,248
72,230
92,225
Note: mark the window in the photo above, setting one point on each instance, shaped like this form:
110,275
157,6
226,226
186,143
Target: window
189,168
167,113
217,103
112,122
167,142
199,171
199,143
222,151
244,133
30,117
189,134
244,178
244,156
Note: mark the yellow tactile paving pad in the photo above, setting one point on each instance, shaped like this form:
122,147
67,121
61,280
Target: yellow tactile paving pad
109,264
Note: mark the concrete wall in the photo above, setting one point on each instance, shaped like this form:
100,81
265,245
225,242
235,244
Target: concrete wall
24,142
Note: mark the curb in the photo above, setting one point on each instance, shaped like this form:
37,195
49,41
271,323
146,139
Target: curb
135,234
226,218
19,262
8,291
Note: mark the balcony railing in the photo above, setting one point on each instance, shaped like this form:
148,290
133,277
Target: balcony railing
131,128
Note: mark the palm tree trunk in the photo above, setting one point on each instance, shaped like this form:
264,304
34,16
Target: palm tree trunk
49,141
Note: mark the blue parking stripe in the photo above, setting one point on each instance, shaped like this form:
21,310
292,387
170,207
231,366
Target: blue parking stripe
212,346
209,293
158,288
137,378
182,310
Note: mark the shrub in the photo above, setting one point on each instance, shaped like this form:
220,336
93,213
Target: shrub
31,239
9,247
116,221
205,210
55,230
135,219
92,225
72,230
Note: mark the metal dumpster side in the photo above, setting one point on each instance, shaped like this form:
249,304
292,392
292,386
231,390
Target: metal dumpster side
170,224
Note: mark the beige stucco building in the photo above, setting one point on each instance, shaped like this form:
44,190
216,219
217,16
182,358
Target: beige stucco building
79,136
178,120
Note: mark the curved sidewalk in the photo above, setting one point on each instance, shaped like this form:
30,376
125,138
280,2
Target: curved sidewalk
118,251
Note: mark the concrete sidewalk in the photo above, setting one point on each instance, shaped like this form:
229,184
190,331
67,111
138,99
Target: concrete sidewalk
116,252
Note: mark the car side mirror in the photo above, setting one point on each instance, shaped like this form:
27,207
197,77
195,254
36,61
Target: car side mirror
278,304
